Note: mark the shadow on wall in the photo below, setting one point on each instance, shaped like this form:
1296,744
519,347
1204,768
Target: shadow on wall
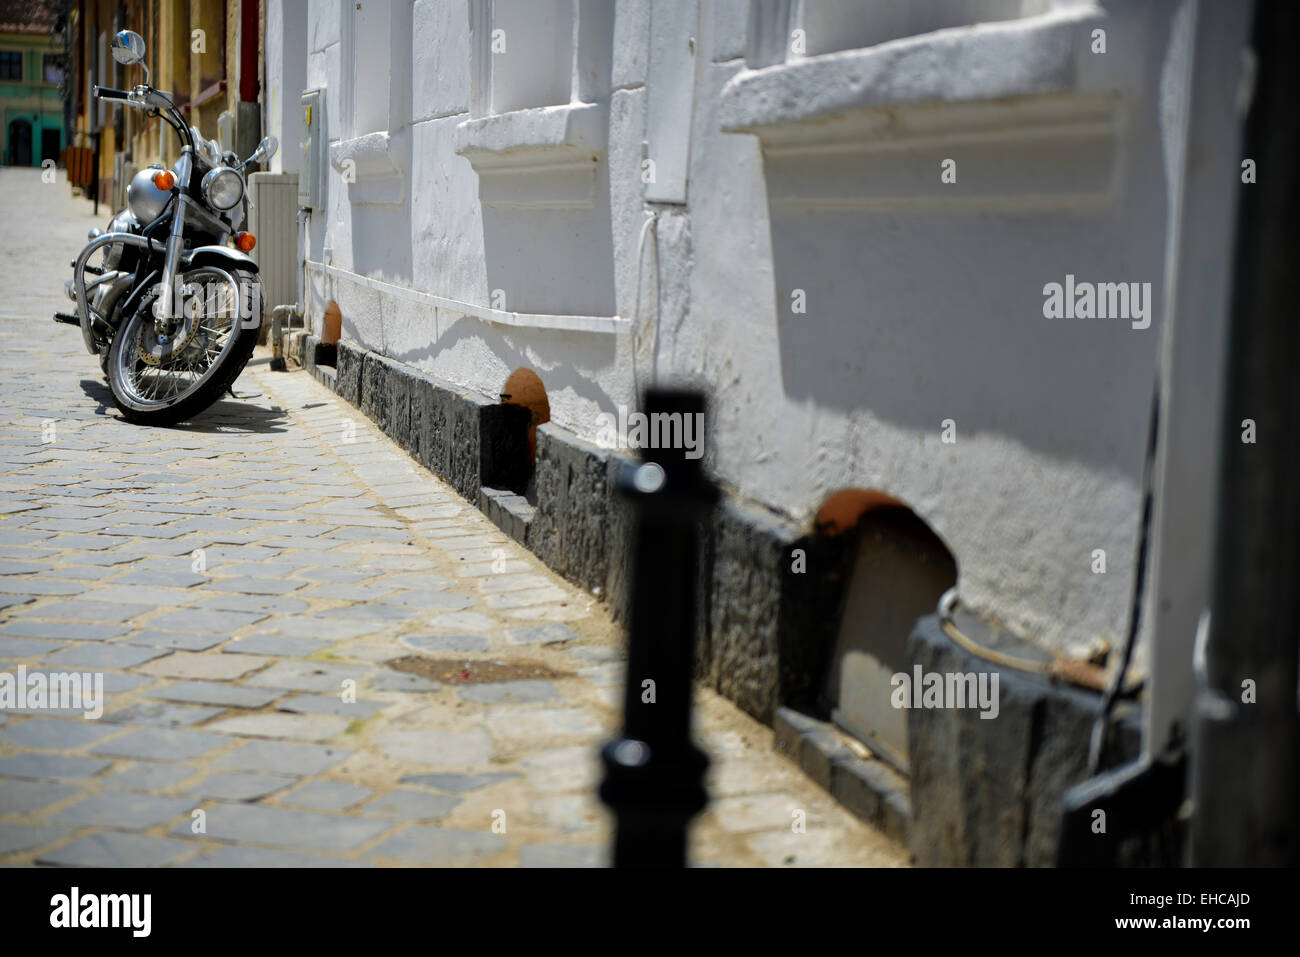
543,177
564,356
550,261
381,240
921,300
881,333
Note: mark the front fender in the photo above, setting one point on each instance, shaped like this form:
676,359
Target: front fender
222,257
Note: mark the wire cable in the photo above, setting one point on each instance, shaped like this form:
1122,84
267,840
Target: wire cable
652,220
1098,741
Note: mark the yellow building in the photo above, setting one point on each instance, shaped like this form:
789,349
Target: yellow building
205,54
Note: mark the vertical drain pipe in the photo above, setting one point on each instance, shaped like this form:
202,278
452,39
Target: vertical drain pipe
1246,738
298,308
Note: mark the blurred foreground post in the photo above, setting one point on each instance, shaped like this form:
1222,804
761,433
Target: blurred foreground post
1246,734
654,774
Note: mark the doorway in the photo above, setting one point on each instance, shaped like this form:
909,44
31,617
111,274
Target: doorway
51,143
20,143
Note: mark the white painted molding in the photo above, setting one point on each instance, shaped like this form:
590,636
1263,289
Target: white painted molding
522,137
868,129
1015,58
378,166
1066,148
374,154
541,158
599,324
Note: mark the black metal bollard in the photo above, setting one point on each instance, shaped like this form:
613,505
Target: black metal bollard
654,773
94,181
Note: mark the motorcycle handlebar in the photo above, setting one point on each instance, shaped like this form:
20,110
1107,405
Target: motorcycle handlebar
147,99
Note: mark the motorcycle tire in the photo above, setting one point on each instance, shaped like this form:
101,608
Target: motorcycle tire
219,379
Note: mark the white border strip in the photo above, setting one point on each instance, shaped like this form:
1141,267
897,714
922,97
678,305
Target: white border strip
519,320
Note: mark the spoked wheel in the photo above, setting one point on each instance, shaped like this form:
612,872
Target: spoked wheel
165,377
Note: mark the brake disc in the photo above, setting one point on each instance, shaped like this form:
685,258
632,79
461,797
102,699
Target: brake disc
155,348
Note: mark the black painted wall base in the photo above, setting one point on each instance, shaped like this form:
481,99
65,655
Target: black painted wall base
865,785
987,792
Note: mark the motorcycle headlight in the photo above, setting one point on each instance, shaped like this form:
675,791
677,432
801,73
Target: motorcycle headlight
223,188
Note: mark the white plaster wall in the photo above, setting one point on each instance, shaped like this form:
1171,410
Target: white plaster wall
921,313
286,75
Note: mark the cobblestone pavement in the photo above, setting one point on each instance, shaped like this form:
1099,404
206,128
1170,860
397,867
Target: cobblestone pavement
233,579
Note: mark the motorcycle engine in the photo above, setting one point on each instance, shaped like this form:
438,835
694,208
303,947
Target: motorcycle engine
123,222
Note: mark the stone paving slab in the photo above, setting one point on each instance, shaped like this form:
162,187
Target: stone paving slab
241,785
327,796
215,693
286,727
161,745
127,810
243,856
183,664
19,798
23,837
255,824
281,757
247,585
23,649
161,714
110,849
147,776
51,734
50,767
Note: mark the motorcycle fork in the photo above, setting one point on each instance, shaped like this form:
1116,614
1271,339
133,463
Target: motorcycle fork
165,316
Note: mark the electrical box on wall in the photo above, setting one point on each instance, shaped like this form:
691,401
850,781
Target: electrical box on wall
311,180
670,99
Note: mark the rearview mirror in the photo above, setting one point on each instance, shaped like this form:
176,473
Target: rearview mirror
128,47
265,150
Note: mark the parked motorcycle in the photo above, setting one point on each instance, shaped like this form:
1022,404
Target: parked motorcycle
174,306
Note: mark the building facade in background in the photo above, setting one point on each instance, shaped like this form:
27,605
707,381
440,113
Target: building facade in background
32,67
205,54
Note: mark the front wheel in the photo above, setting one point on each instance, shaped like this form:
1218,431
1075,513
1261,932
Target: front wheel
161,378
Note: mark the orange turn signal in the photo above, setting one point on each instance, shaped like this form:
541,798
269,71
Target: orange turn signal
164,180
245,242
